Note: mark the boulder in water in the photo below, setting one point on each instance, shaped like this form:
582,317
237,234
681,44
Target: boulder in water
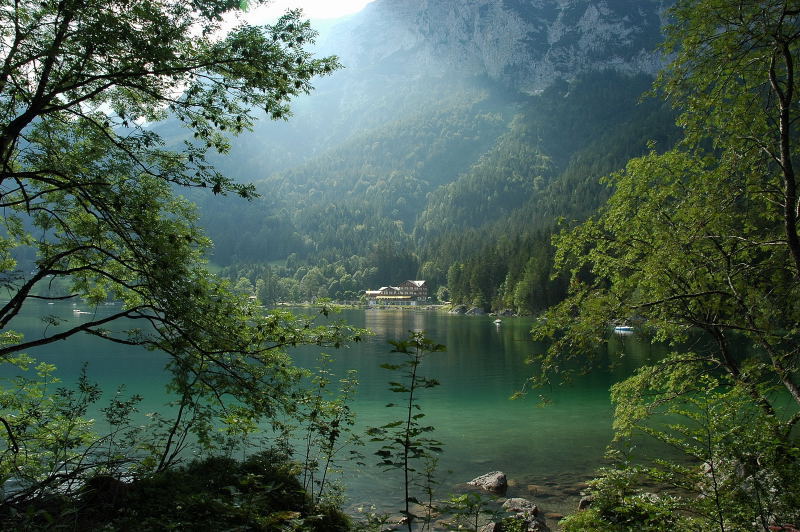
518,505
495,482
527,512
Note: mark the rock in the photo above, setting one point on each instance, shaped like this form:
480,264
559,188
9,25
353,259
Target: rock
526,511
495,482
458,309
554,515
476,311
518,505
442,524
538,525
540,41
530,524
506,313
585,502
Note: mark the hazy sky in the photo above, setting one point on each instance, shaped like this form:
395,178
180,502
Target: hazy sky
315,9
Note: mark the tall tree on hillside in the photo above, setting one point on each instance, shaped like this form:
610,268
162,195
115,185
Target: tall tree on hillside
701,242
86,188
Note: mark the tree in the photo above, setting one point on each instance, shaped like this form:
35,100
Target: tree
407,440
86,188
244,286
701,243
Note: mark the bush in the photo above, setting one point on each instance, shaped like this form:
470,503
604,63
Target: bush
618,505
217,493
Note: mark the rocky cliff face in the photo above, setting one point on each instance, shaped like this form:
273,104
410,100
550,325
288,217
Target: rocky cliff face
524,43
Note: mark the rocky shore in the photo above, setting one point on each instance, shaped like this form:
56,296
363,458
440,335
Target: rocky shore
499,499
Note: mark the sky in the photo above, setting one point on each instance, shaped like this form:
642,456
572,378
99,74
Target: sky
313,9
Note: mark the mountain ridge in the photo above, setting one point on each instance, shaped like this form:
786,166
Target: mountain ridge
527,45
457,131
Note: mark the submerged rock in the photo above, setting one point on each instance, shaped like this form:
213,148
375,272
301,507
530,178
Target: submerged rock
542,492
495,482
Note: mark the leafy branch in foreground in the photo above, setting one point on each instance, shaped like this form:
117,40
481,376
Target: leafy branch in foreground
701,243
468,508
88,194
325,412
405,440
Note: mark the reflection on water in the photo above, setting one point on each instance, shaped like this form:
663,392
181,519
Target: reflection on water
390,325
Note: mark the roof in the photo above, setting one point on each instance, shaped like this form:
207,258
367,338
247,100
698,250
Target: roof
384,289
418,284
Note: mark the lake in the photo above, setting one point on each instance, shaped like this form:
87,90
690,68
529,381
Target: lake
555,448
551,449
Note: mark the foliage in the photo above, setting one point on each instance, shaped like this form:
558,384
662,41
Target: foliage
372,520
47,423
466,510
700,244
619,505
740,468
328,423
89,206
259,493
505,254
427,483
406,440
343,279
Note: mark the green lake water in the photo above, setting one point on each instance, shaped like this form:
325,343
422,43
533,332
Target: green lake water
551,449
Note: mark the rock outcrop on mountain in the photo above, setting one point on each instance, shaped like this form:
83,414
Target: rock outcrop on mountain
526,44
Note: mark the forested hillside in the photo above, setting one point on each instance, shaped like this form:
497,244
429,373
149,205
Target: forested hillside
489,232
412,164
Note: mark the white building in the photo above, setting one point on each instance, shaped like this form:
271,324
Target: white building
407,293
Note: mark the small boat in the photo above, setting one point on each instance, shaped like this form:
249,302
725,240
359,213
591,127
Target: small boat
623,329
498,322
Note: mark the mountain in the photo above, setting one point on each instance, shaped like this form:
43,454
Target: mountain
456,131
524,44
403,57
